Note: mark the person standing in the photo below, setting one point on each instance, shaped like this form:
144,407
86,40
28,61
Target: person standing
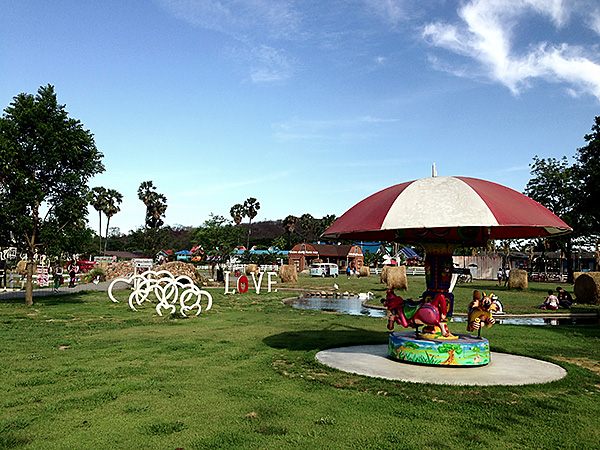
57,275
506,275
72,269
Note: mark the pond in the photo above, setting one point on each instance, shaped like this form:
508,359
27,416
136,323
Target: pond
354,306
345,305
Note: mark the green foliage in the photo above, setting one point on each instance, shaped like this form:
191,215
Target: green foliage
218,238
260,258
588,173
156,207
46,160
571,191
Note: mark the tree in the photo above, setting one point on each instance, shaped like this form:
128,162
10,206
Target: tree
156,206
46,161
218,238
556,186
307,223
588,171
289,224
98,201
251,207
113,200
321,225
237,212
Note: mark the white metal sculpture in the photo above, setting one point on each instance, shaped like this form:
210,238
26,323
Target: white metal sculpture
169,291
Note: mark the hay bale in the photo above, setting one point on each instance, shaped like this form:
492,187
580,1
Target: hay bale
178,268
120,269
518,279
587,287
252,268
364,271
288,273
394,277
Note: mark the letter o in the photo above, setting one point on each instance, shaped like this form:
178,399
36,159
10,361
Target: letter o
242,284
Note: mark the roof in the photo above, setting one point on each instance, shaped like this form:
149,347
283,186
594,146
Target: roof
126,255
327,250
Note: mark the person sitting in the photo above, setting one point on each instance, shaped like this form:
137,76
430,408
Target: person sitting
551,301
564,298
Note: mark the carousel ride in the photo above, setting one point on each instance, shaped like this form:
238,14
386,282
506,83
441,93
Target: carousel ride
442,214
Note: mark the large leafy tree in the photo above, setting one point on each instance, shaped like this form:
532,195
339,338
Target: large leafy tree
588,171
218,237
46,161
556,186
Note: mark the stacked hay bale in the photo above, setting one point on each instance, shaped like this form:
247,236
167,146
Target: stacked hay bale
178,268
288,274
394,277
364,271
102,265
120,269
252,269
517,279
587,287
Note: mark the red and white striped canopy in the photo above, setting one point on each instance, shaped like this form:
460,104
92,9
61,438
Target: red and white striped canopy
459,209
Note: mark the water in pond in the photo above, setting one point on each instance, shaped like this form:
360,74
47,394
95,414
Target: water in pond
353,306
346,305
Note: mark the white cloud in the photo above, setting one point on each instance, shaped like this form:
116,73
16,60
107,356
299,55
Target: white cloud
486,34
390,10
356,128
238,17
270,65
594,21
251,23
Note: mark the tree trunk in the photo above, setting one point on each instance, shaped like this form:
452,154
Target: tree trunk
100,229
106,240
248,241
569,257
29,283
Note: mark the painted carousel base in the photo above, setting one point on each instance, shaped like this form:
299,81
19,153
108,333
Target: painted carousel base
503,370
462,350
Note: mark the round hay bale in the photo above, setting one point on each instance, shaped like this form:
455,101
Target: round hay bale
364,271
587,288
252,268
517,279
394,277
288,273
102,265
383,276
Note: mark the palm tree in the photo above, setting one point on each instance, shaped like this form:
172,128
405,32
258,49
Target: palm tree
156,206
98,201
307,222
145,192
237,213
113,200
289,223
251,207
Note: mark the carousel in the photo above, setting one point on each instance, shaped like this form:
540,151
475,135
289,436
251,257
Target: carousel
442,214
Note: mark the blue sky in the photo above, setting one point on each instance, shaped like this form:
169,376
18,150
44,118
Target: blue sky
307,106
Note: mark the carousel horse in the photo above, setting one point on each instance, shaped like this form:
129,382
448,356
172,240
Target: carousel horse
414,314
480,311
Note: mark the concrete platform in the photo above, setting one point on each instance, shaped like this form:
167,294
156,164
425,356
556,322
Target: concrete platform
504,370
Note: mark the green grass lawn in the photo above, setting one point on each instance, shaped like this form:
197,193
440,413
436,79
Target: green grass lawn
80,372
